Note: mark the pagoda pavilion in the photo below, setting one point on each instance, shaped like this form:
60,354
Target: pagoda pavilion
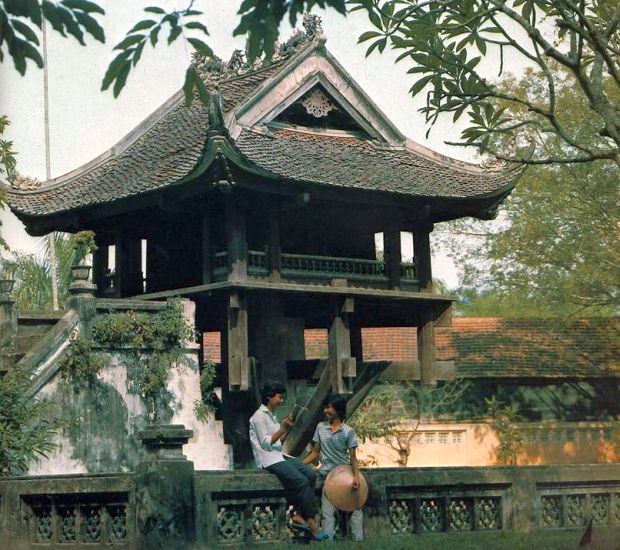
262,207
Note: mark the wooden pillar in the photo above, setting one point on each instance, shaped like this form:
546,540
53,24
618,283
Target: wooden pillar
274,248
422,252
426,347
128,265
236,238
238,360
393,254
207,249
340,364
357,349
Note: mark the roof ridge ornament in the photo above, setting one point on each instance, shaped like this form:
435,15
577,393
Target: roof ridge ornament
214,69
24,183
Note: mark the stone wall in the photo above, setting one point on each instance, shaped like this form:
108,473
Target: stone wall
102,421
165,504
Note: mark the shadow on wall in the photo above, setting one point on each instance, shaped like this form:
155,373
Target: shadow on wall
99,427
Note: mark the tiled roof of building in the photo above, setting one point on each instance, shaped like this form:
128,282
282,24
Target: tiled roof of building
491,347
351,162
168,147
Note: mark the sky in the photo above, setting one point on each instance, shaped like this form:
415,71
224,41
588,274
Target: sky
84,121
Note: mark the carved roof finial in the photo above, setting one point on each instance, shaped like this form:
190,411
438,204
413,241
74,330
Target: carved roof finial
313,25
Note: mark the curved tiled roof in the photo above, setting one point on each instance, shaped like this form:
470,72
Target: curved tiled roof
169,146
351,162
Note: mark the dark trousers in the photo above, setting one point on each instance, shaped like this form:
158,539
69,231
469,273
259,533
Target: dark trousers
298,480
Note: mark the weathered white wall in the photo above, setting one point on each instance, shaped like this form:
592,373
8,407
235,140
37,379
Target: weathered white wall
102,422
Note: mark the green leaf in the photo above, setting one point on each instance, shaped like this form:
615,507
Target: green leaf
91,25
84,5
174,34
138,53
115,67
129,41
154,9
142,25
25,30
419,85
188,85
367,36
121,79
197,25
201,47
154,34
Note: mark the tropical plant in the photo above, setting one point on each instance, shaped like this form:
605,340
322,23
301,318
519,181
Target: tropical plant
33,287
27,427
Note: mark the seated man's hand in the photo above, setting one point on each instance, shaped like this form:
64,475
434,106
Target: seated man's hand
287,422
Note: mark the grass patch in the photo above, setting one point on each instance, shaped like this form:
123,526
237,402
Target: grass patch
602,539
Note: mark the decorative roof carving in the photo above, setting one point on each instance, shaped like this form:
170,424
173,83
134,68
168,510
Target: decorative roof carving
214,69
25,183
318,104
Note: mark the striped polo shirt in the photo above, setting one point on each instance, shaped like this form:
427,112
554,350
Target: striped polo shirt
334,445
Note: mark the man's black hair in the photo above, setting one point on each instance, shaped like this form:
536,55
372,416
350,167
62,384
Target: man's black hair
270,388
339,402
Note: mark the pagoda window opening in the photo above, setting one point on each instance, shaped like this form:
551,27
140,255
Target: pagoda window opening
110,272
317,109
143,263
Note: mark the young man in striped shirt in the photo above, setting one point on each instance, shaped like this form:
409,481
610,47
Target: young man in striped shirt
335,443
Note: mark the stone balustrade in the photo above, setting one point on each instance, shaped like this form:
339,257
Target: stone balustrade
230,509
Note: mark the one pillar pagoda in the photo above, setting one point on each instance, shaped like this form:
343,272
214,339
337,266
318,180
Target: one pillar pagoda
263,207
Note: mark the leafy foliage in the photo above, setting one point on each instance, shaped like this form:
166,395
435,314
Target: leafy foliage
83,244
33,286
393,413
26,426
505,419
19,18
556,249
7,161
204,407
148,30
81,364
445,42
149,345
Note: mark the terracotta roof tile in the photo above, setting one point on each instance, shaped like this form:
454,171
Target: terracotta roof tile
492,347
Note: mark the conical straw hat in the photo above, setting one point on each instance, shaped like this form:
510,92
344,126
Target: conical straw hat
339,489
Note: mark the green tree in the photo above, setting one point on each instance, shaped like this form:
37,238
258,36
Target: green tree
392,414
557,245
446,41
505,423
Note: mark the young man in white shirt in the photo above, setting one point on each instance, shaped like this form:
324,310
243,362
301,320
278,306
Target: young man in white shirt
335,443
266,438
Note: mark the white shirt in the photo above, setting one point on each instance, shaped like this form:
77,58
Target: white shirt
263,425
